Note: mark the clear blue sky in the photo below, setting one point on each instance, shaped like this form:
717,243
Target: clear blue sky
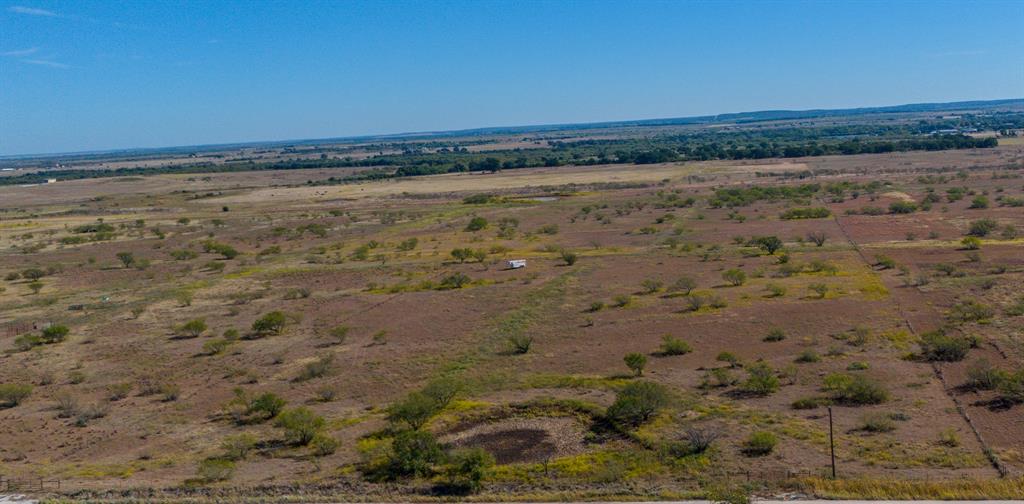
111,74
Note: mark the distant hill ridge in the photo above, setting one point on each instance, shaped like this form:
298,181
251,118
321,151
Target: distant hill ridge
735,118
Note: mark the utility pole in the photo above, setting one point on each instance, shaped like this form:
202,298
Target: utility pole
831,442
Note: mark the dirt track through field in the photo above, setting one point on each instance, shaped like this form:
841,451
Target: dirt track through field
987,451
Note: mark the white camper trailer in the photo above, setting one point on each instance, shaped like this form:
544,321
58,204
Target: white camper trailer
516,263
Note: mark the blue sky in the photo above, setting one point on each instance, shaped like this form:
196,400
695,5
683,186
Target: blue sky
112,74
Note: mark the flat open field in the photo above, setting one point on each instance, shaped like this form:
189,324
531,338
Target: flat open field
155,325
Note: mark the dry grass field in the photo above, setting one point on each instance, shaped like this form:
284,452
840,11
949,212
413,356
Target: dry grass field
221,335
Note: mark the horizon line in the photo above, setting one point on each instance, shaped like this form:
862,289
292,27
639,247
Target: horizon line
497,129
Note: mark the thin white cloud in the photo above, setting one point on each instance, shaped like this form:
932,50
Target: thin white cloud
21,52
32,11
213,41
46,63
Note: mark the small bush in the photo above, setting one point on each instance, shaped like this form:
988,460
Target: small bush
855,389
192,328
805,213
213,470
699,440
734,277
806,403
759,444
637,403
413,453
774,335
300,425
970,311
671,345
476,224
902,207
949,438
650,286
467,468
938,346
520,343
982,375
316,369
119,391
761,380
808,356
635,362
215,346
55,334
729,358
271,323
684,285
322,445
971,243
819,289
237,447
12,394
877,422
775,290
570,258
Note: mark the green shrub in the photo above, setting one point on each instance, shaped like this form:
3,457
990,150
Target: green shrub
982,227
413,453
238,446
734,276
938,346
902,207
982,375
808,356
971,243
637,403
806,213
877,422
520,343
635,362
322,445
855,390
12,394
213,470
806,403
271,323
970,311
761,380
684,285
774,335
570,258
818,289
55,334
775,290
316,369
476,224
759,443
192,328
215,346
1011,387
650,285
671,345
467,468
769,244
729,358
300,425
415,410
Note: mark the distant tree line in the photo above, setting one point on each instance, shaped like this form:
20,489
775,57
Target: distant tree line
753,143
